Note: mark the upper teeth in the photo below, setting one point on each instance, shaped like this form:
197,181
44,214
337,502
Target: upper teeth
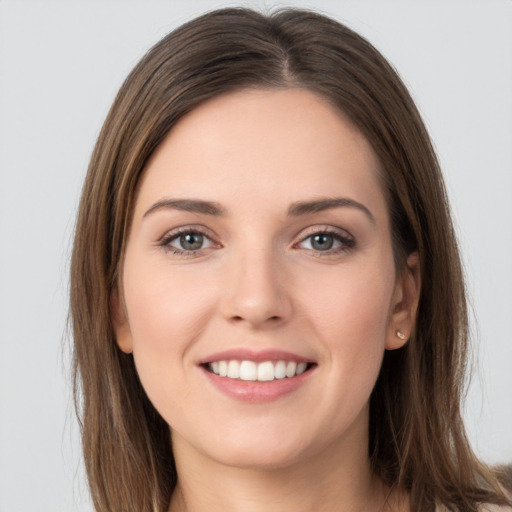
249,370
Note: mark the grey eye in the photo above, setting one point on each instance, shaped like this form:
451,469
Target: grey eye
322,242
189,241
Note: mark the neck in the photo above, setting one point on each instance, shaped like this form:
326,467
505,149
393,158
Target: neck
320,483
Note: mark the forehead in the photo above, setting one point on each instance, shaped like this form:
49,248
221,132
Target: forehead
273,145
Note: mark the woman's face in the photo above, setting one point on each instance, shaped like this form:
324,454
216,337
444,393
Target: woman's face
260,247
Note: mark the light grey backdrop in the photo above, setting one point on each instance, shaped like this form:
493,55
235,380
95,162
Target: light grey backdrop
60,66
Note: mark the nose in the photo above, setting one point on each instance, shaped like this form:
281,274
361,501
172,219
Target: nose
256,291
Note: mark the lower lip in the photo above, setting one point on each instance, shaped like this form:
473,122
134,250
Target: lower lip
255,391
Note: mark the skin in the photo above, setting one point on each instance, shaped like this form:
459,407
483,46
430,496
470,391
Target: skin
258,282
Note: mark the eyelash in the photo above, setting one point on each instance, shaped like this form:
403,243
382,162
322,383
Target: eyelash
346,241
166,240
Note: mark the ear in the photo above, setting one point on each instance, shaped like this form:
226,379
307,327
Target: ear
120,322
404,304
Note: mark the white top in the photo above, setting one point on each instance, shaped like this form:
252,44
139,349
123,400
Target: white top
484,508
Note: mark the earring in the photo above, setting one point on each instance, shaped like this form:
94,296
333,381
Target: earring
400,335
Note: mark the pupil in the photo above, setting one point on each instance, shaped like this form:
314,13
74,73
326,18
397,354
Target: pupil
191,241
322,242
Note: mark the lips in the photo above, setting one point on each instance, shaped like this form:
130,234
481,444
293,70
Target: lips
257,376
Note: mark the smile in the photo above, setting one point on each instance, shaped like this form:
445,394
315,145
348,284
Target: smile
257,376
253,371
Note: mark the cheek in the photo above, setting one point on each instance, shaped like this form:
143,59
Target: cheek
349,309
164,305
167,311
349,313
351,300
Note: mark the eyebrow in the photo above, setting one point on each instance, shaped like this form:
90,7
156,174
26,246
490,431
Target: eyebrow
296,209
320,205
187,205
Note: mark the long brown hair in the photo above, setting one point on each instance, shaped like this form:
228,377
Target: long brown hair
417,440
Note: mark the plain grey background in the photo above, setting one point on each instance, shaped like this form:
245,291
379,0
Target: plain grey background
61,64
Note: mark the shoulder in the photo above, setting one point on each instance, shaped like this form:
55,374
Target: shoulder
495,508
483,508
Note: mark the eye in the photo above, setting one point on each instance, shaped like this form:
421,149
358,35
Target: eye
321,242
328,242
186,241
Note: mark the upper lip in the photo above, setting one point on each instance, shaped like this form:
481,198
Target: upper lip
258,356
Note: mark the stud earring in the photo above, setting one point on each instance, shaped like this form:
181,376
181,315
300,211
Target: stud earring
400,335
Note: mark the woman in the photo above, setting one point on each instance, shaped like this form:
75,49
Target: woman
267,300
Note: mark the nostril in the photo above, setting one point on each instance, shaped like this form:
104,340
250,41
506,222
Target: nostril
272,319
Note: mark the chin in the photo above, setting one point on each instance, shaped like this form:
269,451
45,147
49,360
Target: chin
263,458
243,446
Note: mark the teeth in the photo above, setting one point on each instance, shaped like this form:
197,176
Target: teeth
247,370
262,372
223,368
280,370
301,368
290,369
233,370
265,371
